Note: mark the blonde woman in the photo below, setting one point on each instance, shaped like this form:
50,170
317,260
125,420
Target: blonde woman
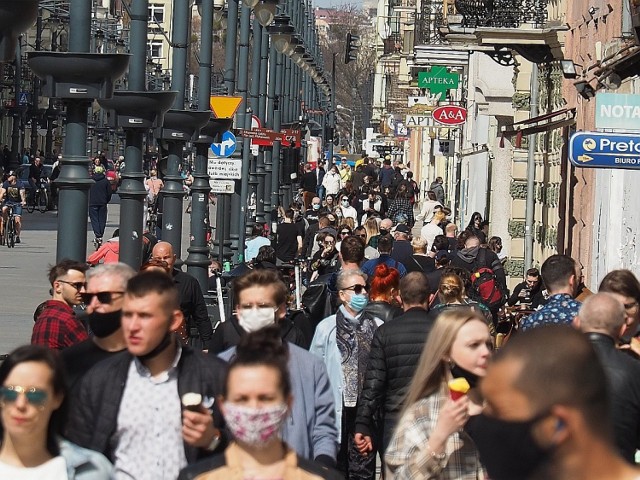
429,441
452,295
372,227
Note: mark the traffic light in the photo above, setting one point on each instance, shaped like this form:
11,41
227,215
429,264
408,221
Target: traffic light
352,47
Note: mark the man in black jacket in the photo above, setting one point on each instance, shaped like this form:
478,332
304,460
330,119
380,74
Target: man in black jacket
192,302
395,351
129,407
602,317
308,185
99,197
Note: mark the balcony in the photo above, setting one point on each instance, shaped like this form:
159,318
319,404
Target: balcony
502,13
498,27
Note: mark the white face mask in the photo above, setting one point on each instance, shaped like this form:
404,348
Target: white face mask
254,319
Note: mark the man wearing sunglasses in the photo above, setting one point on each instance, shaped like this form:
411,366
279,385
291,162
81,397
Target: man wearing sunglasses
57,327
103,298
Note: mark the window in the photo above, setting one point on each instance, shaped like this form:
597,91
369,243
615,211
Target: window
156,12
155,48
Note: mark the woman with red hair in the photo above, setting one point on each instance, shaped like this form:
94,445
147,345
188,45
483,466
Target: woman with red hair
384,295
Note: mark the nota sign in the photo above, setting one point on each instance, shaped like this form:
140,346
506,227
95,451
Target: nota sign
450,115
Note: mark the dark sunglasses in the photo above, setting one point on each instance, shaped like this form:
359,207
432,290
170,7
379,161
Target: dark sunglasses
361,235
357,289
35,396
345,232
77,285
103,297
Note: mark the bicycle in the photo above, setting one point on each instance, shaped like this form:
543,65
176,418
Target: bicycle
9,233
40,198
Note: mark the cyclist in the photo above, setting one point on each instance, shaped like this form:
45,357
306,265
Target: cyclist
12,194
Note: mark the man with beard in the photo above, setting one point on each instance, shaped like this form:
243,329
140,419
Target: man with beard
546,411
103,296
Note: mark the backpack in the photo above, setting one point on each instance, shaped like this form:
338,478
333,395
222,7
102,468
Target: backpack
486,288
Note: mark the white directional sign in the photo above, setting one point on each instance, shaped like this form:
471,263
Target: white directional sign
225,168
226,147
222,186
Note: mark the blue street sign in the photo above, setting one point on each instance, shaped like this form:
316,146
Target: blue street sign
23,98
604,150
226,147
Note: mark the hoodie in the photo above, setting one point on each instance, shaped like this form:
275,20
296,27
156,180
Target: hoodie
472,259
100,191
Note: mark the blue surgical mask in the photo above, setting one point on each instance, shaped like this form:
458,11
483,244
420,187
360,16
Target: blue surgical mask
316,206
358,301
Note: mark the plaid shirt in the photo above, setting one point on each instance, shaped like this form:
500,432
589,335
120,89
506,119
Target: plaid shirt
57,327
401,209
408,458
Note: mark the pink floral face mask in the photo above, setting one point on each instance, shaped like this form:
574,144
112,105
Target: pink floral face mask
254,426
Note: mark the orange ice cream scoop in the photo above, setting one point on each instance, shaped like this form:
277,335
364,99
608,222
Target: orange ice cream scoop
458,387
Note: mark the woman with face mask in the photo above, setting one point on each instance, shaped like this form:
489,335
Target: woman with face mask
256,401
344,340
332,181
33,411
429,441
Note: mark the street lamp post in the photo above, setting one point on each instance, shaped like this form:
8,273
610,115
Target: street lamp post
77,77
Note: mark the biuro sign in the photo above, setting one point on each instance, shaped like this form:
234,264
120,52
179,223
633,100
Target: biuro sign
450,115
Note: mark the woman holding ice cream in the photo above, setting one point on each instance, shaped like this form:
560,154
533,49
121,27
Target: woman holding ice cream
429,442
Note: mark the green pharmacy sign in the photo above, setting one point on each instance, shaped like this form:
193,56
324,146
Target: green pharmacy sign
438,80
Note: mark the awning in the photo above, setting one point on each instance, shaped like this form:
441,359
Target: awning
542,123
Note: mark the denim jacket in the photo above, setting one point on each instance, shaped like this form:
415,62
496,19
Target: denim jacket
84,464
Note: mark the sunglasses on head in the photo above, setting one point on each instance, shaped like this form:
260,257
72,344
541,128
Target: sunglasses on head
35,396
357,288
103,297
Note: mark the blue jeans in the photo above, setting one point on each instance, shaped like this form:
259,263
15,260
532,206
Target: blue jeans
320,191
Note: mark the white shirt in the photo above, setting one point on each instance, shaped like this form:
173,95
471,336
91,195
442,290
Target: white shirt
350,212
54,469
148,439
429,232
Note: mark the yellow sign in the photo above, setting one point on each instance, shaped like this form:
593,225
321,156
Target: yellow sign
584,158
224,106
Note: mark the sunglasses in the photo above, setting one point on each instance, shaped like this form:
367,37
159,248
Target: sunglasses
345,232
35,396
77,285
357,289
362,235
329,243
103,297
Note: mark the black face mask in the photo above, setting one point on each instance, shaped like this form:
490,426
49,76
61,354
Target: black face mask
470,377
507,449
384,231
104,324
161,347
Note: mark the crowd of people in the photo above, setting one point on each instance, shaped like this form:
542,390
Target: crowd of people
126,377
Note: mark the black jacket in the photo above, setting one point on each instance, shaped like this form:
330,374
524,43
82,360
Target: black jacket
395,350
228,334
623,375
382,310
309,182
194,307
100,191
93,417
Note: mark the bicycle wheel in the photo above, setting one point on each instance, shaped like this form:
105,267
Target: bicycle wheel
11,233
31,203
43,201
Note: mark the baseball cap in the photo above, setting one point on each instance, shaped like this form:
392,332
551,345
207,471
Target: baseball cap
402,228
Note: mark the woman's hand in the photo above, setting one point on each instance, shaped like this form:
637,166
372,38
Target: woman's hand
453,415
